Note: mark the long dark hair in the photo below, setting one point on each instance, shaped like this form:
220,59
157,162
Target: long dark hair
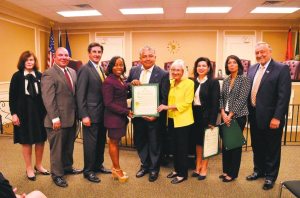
238,61
23,58
209,73
112,63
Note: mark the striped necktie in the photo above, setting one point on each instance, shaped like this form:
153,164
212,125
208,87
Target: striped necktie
256,84
68,80
99,70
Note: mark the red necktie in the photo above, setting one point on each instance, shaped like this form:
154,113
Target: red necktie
68,80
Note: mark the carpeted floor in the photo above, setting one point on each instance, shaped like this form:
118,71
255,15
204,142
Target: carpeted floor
12,166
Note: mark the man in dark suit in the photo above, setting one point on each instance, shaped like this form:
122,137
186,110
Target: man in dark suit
268,105
58,91
147,129
91,110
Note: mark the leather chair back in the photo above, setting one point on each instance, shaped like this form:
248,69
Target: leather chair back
294,68
75,64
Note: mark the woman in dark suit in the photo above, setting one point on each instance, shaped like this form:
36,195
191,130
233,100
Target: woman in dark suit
116,111
205,109
28,112
233,105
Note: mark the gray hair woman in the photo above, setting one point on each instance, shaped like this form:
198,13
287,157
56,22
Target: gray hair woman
180,118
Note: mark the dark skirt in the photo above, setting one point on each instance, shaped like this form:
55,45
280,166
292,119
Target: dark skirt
31,129
200,124
116,133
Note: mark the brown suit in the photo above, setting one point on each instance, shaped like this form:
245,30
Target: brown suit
60,103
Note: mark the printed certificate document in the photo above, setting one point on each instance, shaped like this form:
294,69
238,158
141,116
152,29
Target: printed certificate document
145,100
211,142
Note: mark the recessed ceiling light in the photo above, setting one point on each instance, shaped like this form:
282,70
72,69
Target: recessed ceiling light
278,10
79,13
127,11
207,9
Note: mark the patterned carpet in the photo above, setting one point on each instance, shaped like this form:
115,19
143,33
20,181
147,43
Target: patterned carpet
12,166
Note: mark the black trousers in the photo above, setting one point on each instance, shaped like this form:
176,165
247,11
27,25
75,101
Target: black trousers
266,145
231,159
180,142
147,140
94,138
61,150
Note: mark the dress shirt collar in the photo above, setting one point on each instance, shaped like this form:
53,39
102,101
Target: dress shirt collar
266,65
63,69
95,64
149,70
26,72
203,80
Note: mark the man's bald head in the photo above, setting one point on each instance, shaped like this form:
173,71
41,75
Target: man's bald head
61,57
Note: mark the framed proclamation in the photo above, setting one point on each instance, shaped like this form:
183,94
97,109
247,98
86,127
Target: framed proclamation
145,100
211,142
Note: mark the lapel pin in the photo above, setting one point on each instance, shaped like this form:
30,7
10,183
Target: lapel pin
268,71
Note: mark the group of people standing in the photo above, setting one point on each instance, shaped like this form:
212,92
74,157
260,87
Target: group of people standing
46,105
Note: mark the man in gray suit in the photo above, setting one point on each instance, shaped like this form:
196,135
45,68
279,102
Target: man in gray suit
91,110
58,92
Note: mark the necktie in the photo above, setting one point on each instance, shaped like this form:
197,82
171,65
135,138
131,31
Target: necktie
255,87
68,80
100,73
30,86
144,77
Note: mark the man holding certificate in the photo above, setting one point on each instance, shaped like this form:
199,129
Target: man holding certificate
147,127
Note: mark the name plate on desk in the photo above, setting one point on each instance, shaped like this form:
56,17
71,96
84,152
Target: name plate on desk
145,100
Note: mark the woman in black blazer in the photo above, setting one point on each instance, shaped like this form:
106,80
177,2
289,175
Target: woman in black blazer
233,105
205,109
28,112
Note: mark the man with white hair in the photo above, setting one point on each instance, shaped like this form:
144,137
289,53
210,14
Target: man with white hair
268,105
147,129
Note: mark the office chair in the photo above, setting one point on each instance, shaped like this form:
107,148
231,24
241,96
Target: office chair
294,69
293,186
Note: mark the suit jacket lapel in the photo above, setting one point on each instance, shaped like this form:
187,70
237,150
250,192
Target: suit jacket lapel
73,76
137,73
154,74
267,74
61,76
94,71
254,72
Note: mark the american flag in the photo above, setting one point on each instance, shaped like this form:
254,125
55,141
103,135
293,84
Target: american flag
51,50
68,47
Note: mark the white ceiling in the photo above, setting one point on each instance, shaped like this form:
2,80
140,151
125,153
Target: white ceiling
173,9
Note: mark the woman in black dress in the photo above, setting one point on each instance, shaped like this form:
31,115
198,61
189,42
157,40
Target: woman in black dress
28,112
205,109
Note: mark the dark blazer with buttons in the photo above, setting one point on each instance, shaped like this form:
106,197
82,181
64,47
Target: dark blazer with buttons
237,97
209,96
115,102
273,94
17,94
58,99
89,93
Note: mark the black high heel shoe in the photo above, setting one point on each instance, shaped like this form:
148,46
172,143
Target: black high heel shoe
33,178
43,173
